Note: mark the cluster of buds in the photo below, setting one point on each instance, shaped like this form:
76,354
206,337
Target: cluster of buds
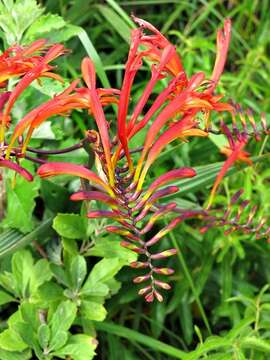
119,182
235,218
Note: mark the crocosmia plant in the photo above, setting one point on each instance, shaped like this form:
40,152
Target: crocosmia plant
186,107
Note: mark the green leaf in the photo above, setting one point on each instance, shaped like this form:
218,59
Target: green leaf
43,25
15,355
50,291
252,342
60,322
92,53
56,198
29,313
103,271
79,347
145,340
21,202
71,226
22,269
44,335
93,311
57,342
206,175
28,335
11,341
5,298
186,320
78,271
8,283
41,274
60,274
109,248
116,22
16,17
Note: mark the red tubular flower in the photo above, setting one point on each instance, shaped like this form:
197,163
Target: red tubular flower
120,184
29,63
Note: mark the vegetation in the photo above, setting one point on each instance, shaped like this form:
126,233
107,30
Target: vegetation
67,242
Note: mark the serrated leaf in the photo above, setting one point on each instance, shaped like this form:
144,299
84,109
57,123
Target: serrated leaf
43,25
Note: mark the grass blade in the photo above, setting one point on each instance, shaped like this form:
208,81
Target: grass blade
148,341
12,240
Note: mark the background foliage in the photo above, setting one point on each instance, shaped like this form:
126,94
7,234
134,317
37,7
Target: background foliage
69,286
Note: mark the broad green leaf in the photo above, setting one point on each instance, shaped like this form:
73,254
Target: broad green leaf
15,355
44,335
56,198
93,311
58,341
43,25
44,131
27,334
71,226
103,271
7,282
62,320
11,341
22,270
49,87
50,291
79,347
78,270
29,314
5,298
60,274
110,248
41,274
21,202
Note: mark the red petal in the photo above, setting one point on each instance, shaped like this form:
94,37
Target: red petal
57,168
13,166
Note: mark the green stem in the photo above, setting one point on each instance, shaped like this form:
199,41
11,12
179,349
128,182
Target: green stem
190,281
